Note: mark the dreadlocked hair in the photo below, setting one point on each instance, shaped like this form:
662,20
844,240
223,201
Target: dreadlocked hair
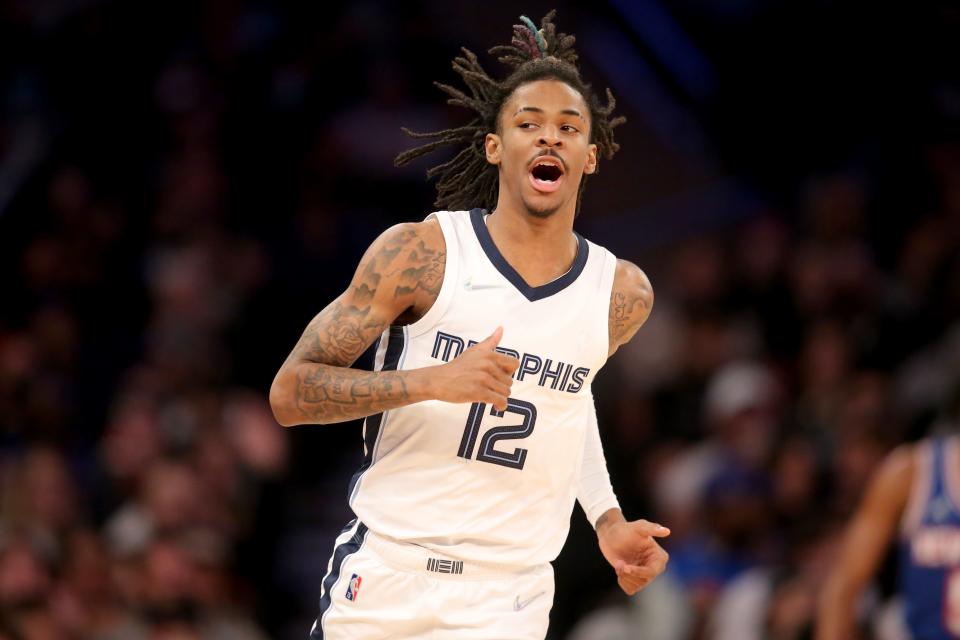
468,180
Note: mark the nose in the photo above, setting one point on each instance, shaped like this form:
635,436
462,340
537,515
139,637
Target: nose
549,138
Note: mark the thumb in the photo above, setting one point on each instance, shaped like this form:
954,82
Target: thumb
647,528
491,342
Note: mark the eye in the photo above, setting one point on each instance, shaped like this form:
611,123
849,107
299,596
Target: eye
527,125
570,127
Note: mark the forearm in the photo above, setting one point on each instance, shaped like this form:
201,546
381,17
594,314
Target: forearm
313,393
835,620
866,541
594,491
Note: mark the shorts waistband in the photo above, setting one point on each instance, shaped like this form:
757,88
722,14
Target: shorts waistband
406,556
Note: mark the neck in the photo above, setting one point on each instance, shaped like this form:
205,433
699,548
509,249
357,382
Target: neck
539,249
511,215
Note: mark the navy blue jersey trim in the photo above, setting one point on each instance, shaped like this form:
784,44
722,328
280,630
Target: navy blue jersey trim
340,554
372,424
530,293
939,477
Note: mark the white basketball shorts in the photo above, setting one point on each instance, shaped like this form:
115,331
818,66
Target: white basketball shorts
378,588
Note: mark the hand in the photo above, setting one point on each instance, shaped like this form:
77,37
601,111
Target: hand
479,374
632,551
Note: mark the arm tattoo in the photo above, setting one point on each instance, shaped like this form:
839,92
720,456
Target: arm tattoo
624,316
423,273
619,315
629,308
326,390
334,394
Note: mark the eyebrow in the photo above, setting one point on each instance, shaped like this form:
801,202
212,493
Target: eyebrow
568,112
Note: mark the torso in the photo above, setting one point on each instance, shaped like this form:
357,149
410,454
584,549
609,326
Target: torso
459,478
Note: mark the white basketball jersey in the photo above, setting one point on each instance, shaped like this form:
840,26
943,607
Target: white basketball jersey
463,479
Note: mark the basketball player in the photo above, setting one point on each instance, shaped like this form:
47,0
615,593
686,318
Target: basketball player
493,317
914,498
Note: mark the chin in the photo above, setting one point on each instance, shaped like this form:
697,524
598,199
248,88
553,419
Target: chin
541,210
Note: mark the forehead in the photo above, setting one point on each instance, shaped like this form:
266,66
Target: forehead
552,96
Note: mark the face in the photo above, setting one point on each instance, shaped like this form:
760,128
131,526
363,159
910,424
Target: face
543,149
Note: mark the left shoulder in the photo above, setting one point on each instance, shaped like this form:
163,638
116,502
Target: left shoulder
631,301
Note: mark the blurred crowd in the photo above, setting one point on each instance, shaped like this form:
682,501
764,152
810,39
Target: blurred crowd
132,492
204,182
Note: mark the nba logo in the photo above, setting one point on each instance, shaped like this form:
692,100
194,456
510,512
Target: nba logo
353,588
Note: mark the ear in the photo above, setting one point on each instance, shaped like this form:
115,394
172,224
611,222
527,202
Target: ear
493,145
591,166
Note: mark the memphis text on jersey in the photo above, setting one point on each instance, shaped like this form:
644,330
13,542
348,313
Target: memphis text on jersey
554,375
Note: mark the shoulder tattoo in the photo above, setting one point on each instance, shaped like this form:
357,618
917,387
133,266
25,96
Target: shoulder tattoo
405,259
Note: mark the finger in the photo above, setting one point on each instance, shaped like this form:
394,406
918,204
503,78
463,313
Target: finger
498,401
634,572
501,377
499,388
484,392
637,578
630,586
647,528
491,342
640,570
509,364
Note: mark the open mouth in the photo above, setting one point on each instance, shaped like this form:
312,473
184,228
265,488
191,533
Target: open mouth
546,177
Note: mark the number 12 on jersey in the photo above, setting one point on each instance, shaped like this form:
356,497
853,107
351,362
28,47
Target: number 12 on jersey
488,453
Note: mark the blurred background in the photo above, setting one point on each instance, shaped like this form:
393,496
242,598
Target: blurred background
183,185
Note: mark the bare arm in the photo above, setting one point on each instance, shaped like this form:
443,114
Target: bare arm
398,280
869,534
629,546
630,303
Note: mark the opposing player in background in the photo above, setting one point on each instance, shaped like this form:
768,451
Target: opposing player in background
493,318
914,498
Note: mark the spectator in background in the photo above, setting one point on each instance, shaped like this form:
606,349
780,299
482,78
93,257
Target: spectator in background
911,499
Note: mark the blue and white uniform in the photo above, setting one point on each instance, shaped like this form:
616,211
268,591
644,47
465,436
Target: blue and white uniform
930,543
460,508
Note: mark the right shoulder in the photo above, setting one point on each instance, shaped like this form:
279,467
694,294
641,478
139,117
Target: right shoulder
413,235
404,267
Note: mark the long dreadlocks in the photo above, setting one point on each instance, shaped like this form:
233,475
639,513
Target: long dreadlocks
468,180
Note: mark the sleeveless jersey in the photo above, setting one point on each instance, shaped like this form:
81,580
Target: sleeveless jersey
463,479
930,543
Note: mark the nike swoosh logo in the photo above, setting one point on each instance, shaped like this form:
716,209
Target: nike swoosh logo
469,286
518,604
